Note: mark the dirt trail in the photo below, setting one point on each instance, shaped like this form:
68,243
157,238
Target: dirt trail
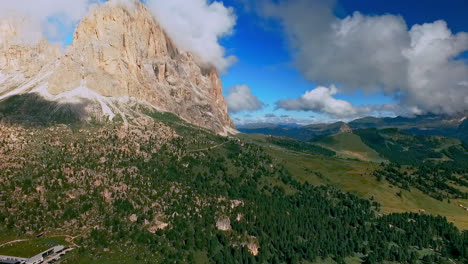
13,242
356,155
210,148
69,239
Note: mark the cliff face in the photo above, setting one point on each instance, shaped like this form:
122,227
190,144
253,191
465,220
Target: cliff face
120,52
24,64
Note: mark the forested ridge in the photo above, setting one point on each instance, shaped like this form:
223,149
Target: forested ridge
435,180
434,165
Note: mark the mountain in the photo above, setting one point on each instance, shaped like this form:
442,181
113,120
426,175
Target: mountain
426,125
165,187
462,131
428,121
463,128
304,133
430,124
120,60
349,145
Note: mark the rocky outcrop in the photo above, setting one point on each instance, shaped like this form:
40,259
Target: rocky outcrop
345,128
253,247
223,223
119,53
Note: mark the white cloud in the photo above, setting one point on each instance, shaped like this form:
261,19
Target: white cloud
433,76
240,98
376,53
321,100
197,26
34,19
16,30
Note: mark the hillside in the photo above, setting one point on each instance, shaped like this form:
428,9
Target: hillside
407,149
304,133
143,192
360,177
462,131
349,145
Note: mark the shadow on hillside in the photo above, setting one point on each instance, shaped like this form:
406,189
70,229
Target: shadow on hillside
34,110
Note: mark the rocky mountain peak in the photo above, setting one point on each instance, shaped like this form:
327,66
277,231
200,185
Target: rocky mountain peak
121,53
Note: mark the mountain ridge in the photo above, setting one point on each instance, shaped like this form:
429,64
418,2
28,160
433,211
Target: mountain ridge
436,125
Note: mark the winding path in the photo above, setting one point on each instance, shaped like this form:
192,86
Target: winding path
14,241
209,148
71,238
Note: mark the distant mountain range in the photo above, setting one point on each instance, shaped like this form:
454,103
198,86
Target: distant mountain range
430,124
304,133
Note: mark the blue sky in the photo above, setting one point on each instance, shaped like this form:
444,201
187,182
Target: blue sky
266,64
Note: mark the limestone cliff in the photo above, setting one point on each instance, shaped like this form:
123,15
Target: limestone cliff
24,64
120,52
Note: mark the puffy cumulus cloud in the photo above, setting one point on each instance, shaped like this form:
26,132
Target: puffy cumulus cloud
376,53
320,100
28,21
435,79
197,26
240,98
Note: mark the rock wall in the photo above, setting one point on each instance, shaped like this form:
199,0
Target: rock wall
119,51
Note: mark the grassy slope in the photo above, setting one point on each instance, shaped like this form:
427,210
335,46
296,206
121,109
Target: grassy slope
404,148
349,145
356,176
30,248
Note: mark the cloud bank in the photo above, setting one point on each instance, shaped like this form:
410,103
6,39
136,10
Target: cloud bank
197,26
416,65
240,98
